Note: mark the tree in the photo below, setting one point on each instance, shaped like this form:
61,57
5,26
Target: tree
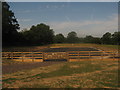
59,38
39,34
116,38
96,40
72,37
9,25
91,39
106,38
81,40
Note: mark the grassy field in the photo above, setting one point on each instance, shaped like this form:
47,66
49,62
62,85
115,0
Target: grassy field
23,48
99,46
112,46
83,74
12,62
34,48
37,48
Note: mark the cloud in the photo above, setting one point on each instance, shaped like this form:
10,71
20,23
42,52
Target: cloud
87,27
24,20
25,11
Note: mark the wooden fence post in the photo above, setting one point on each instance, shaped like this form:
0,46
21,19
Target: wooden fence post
67,56
32,56
42,56
90,55
12,55
113,55
102,55
22,57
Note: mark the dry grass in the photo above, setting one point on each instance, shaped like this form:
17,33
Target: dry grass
99,46
10,62
32,72
83,74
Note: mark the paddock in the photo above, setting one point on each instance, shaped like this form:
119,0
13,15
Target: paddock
60,54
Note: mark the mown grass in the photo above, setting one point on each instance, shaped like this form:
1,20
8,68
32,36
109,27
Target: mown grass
12,62
25,48
83,74
104,47
68,69
112,46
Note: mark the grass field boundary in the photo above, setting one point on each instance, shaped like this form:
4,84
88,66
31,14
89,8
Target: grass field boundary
69,55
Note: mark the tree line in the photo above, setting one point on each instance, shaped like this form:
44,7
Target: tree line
72,37
42,34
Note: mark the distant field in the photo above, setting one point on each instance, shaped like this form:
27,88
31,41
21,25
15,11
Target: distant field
112,46
99,46
87,44
35,48
83,74
24,48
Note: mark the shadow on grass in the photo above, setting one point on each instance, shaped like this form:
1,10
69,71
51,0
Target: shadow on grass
67,70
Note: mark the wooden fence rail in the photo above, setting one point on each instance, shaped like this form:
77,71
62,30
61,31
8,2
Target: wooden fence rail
79,55
70,56
24,56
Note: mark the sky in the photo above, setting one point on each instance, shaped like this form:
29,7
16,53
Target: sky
85,18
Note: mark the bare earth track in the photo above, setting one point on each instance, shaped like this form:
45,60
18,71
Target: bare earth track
25,66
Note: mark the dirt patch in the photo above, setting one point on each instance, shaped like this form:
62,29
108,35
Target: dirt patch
6,69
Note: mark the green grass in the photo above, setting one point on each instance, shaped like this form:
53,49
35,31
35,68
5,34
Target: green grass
66,70
12,62
88,45
112,46
44,87
83,74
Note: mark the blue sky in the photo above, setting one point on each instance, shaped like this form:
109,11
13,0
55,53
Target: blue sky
85,18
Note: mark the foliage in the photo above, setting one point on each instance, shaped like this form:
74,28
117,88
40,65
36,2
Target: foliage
59,38
39,35
9,26
109,38
116,38
106,38
72,37
91,39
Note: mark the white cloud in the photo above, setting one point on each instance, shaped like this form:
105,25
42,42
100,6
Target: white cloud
91,27
24,20
25,11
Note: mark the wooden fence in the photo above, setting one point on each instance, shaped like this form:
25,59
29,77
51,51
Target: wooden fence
80,55
55,55
23,56
70,56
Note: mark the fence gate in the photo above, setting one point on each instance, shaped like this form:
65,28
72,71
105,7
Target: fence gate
55,55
